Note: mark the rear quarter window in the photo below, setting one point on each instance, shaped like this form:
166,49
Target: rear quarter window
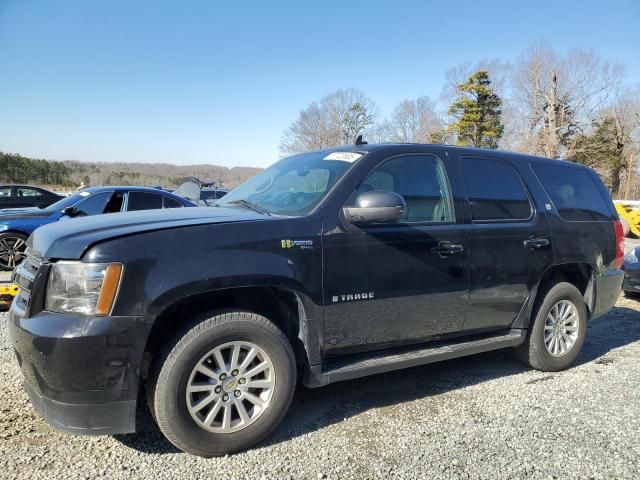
573,192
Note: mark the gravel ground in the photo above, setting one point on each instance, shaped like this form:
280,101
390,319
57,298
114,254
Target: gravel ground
481,417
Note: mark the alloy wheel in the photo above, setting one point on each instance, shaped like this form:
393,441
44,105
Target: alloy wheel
561,328
12,252
230,387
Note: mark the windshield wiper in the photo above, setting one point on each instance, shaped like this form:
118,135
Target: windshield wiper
256,207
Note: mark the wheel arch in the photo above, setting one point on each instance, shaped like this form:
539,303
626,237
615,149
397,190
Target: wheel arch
14,231
579,274
288,309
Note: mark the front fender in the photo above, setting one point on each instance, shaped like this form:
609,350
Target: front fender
165,266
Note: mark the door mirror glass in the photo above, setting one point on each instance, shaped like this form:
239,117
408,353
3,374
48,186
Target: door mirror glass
376,206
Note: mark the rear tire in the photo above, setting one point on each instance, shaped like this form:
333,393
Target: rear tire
189,375
557,331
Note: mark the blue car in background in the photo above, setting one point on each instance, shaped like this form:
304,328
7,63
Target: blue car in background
16,224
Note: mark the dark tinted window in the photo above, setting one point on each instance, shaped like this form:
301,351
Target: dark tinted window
495,190
94,205
171,203
573,192
421,181
144,201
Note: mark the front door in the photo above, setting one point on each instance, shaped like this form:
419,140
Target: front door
401,283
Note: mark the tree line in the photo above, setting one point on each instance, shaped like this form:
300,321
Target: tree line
572,107
15,168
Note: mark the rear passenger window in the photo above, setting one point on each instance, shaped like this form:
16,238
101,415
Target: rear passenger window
573,192
496,191
144,201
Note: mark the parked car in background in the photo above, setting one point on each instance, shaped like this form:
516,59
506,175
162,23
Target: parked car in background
18,196
210,195
327,266
631,268
204,196
17,224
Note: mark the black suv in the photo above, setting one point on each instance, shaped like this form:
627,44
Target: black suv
327,266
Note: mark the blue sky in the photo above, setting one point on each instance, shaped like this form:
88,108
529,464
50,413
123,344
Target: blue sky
219,82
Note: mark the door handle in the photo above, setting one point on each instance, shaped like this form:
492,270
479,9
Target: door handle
444,249
537,243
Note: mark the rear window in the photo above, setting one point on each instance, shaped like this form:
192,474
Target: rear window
495,190
573,192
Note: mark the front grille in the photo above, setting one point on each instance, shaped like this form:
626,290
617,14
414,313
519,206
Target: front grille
24,276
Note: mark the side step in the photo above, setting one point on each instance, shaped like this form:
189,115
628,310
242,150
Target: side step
380,362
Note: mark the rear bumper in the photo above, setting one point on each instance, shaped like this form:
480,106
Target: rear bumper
607,288
81,373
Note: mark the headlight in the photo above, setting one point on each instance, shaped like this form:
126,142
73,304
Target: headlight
84,288
631,257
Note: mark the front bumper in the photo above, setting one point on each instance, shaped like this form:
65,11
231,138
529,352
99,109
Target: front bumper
81,373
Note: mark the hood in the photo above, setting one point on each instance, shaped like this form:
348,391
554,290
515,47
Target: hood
72,238
13,213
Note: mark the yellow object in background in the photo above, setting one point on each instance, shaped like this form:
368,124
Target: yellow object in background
629,213
7,292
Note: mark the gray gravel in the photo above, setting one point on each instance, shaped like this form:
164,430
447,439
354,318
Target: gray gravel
481,417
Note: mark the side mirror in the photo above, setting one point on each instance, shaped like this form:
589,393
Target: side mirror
376,206
69,211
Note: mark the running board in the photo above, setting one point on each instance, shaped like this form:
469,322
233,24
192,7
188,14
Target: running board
361,365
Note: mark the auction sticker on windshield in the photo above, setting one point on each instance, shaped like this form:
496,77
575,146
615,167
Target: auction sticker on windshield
344,156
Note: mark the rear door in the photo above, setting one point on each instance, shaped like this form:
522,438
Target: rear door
27,197
509,242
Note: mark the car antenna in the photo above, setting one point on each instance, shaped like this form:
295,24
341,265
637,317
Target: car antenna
359,140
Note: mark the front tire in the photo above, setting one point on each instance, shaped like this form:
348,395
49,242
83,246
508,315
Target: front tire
12,250
225,384
558,330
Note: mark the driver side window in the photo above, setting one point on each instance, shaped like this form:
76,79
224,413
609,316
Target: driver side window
93,205
422,182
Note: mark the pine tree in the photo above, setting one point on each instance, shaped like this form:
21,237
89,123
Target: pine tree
477,111
602,150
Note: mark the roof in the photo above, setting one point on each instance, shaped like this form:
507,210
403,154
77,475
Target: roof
123,187
499,154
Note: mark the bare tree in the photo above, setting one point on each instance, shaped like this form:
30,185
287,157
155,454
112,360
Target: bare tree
625,110
334,120
558,97
412,121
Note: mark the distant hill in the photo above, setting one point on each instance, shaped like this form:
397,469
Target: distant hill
151,174
15,168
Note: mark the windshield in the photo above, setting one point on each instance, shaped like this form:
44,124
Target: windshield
292,186
66,202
